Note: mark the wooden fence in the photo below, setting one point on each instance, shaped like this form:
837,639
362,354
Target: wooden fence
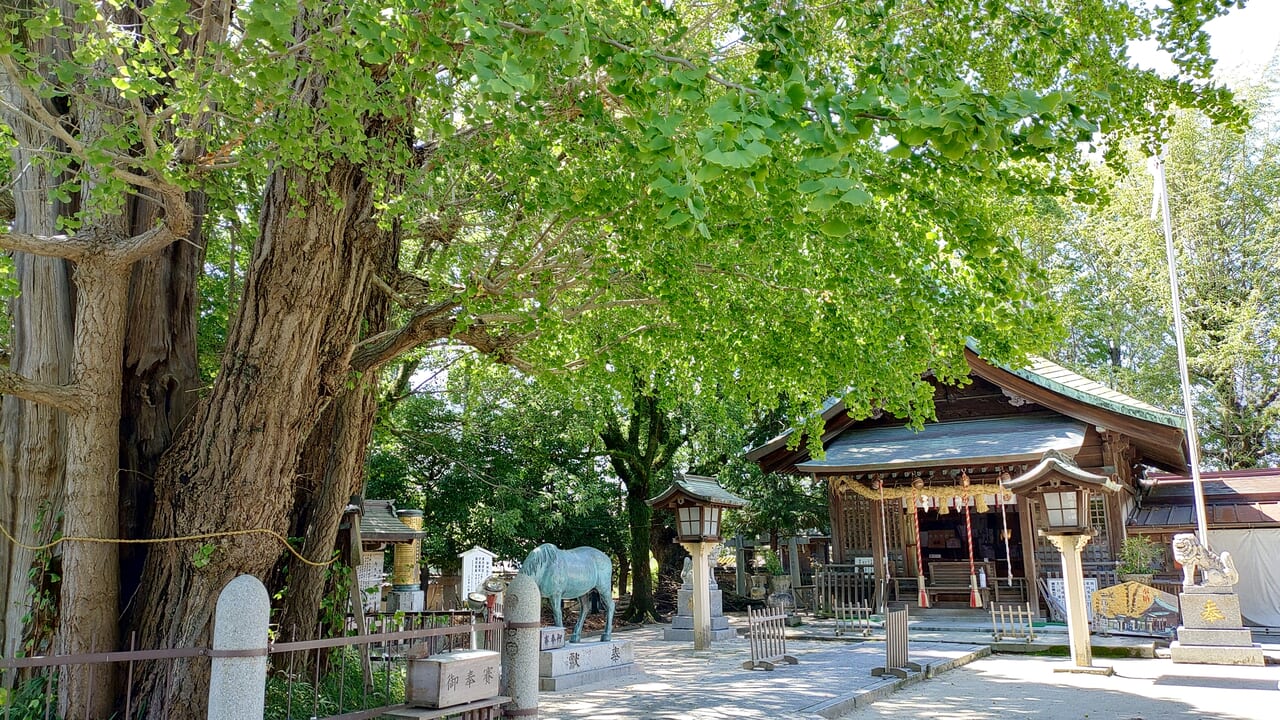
897,660
1012,621
767,631
843,586
853,619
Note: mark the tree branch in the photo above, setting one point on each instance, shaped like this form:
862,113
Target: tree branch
63,397
177,223
67,247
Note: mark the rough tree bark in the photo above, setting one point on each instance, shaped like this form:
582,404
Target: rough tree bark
287,356
331,467
32,436
161,373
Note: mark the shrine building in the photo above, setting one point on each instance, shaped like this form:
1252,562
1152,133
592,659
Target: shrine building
909,506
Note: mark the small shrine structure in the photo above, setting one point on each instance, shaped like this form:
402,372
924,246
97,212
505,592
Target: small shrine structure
373,526
913,512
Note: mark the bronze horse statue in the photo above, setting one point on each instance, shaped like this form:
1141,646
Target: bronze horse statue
573,574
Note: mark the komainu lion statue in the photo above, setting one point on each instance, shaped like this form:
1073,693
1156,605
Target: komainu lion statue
1216,570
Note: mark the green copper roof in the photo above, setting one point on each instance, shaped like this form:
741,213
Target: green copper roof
702,488
1051,376
378,523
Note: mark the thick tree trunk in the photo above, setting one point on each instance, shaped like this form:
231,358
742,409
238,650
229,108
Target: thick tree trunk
640,457
161,374
639,516
333,466
233,467
90,605
32,437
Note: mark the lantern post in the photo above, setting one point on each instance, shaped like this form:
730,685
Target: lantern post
698,503
1059,491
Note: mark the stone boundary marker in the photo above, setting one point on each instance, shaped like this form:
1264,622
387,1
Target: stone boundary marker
237,684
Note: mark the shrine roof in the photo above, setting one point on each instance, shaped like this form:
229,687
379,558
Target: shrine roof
701,488
968,442
378,523
1052,376
1233,498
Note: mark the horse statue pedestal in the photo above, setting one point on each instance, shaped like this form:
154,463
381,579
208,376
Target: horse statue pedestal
584,663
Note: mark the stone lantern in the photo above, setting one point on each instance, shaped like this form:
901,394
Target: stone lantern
1060,491
697,502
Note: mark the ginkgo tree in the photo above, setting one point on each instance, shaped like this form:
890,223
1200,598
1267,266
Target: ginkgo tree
768,196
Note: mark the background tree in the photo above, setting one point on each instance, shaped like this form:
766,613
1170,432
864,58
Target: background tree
1109,271
494,459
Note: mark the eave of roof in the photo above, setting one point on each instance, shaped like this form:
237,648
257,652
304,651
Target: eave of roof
702,488
830,409
966,442
1052,376
1049,465
1219,516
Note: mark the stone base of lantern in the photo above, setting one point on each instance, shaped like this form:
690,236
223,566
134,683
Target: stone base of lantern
406,601
681,629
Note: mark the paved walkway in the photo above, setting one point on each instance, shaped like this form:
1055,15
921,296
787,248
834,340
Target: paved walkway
1006,686
675,682
833,680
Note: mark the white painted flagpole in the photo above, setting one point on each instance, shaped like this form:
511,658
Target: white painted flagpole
1193,448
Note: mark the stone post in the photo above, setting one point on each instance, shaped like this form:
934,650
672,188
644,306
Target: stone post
701,595
238,684
1077,616
793,563
520,646
740,565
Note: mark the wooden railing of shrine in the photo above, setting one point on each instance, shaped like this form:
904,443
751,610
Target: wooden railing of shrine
843,586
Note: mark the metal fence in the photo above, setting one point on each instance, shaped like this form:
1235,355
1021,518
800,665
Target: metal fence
30,684
362,676
349,677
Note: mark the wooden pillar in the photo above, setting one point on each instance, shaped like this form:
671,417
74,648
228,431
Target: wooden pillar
1026,521
835,505
910,539
1118,453
879,552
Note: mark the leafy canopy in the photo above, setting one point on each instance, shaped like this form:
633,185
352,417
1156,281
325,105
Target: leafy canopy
766,197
